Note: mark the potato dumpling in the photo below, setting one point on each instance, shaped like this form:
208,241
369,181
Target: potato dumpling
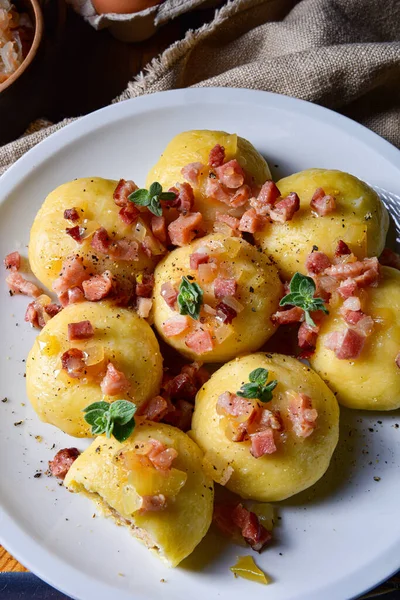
49,243
120,336
106,473
298,462
371,381
194,147
234,274
360,220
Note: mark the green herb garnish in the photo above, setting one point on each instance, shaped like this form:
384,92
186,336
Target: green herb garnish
302,290
258,387
151,198
190,298
116,418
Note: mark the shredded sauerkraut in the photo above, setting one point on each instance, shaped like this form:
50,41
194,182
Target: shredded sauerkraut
16,35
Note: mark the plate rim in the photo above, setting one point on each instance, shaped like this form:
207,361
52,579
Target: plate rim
12,535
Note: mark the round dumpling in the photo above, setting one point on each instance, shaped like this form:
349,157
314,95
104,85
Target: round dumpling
234,289
359,219
179,499
120,360
272,450
371,381
92,198
193,147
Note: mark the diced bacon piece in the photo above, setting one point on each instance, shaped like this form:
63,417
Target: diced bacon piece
12,261
144,306
231,174
352,316
71,214
155,409
184,197
198,258
33,316
253,532
73,361
251,221
302,415
169,293
270,418
197,373
352,303
129,213
347,288
321,203
317,262
181,417
224,287
144,288
285,317
176,325
52,309
266,198
185,228
98,287
206,272
75,295
73,274
365,273
364,325
284,209
20,285
263,443
397,360
236,406
217,156
163,461
232,222
159,228
346,345
83,330
101,241
76,233
114,382
153,503
241,196
62,462
225,313
342,249
390,259
124,249
124,189
307,336
151,246
200,341
216,190
192,171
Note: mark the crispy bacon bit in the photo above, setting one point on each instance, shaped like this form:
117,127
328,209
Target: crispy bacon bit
317,262
73,361
346,344
200,341
71,214
124,249
225,313
266,198
176,325
184,197
397,360
20,285
236,406
307,336
321,203
342,249
347,288
129,213
98,287
161,456
114,382
101,241
123,190
251,221
198,258
169,293
75,295
390,259
83,330
364,272
185,228
217,156
35,316
52,309
144,306
153,503
232,222
181,386
253,532
285,317
241,196
284,209
231,174
144,288
12,261
76,233
352,303
155,409
73,274
263,442
192,172
224,287
159,228
61,463
302,415
217,191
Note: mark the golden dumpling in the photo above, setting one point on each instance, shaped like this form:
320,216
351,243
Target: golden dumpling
113,474
360,220
371,381
299,441
194,147
241,290
120,337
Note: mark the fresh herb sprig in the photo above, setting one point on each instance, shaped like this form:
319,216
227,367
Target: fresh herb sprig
151,198
258,386
302,290
190,298
116,418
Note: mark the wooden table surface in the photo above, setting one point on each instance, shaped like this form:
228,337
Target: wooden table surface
92,72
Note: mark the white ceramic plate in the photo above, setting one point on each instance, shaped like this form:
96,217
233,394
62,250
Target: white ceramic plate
334,541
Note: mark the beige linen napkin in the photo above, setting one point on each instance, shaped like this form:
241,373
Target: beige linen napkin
344,54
